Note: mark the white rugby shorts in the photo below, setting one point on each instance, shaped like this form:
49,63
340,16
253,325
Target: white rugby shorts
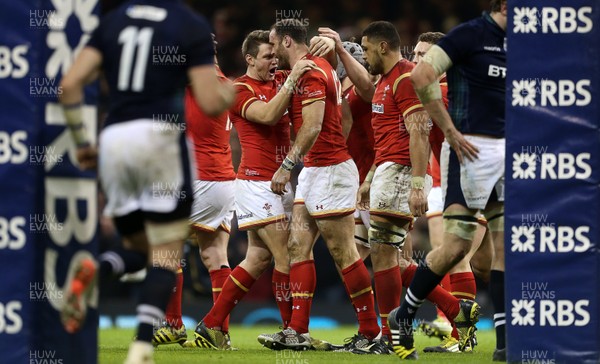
390,190
214,204
328,191
256,205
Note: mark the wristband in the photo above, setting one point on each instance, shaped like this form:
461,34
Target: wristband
289,84
288,164
369,177
417,183
73,116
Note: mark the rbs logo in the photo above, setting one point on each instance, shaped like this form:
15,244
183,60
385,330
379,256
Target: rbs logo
552,239
563,20
550,313
551,166
530,92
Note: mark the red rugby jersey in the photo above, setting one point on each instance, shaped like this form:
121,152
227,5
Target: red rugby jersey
394,100
263,146
361,142
210,137
321,84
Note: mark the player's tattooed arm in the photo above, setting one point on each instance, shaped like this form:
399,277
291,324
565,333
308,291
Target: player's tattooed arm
270,113
357,73
312,121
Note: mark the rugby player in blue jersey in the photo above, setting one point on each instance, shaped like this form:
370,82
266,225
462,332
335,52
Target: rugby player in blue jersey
473,55
145,166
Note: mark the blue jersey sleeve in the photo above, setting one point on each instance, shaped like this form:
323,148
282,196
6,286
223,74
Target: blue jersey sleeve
459,42
96,39
199,43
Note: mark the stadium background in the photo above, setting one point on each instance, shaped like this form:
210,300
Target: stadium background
232,20
553,188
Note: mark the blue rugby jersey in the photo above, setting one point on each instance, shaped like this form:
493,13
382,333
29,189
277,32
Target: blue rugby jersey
476,80
147,48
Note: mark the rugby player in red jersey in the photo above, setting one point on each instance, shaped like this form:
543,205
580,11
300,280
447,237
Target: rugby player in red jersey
212,210
264,132
325,196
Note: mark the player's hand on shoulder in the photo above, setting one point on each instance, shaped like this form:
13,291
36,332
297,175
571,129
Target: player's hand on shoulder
300,68
321,45
462,147
87,157
279,180
332,34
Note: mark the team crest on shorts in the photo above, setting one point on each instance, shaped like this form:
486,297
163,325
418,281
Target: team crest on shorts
267,207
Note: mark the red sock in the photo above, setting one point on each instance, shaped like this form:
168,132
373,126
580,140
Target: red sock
173,311
303,280
217,279
283,296
408,275
463,285
358,283
445,283
234,289
447,303
388,288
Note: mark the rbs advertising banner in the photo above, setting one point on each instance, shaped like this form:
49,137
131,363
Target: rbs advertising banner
48,207
553,181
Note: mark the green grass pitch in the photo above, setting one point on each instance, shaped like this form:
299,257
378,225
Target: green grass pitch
114,344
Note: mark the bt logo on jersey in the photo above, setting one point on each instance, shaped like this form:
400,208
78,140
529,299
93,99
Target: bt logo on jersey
496,71
563,20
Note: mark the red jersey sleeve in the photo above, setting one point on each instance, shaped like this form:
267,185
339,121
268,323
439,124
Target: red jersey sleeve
405,96
312,87
244,97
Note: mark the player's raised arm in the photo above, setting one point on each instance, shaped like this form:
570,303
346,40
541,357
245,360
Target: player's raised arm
270,113
356,71
324,47
424,78
347,120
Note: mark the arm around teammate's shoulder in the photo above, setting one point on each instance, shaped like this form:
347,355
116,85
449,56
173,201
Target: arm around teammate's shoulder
269,113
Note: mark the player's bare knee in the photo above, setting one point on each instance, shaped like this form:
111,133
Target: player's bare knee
340,255
259,258
213,258
383,256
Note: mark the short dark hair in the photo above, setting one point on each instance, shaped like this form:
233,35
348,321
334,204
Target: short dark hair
253,40
496,5
430,37
294,28
383,30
